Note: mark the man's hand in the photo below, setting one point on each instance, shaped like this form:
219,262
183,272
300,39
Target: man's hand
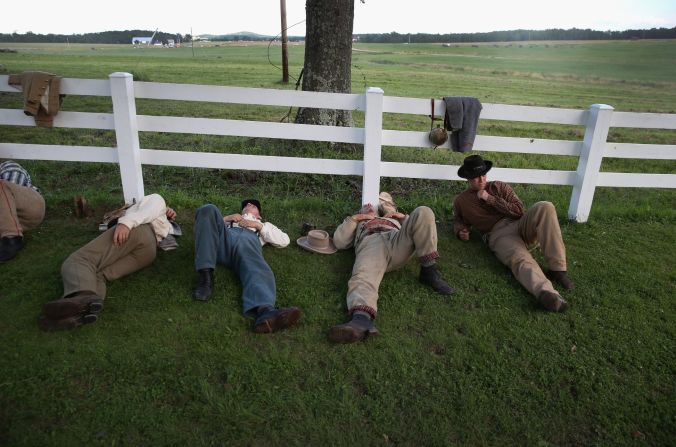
244,223
463,234
171,214
121,234
233,218
482,194
360,217
396,215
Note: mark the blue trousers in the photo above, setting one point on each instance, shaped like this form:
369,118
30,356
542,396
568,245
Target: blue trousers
238,249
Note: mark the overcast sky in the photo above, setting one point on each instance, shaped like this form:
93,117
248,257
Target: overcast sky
373,16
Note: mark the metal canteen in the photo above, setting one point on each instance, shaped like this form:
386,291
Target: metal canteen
438,136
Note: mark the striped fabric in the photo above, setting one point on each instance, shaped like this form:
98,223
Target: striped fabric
15,173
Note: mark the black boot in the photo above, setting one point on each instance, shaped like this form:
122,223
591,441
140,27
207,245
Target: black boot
204,285
357,329
430,276
561,277
9,247
552,302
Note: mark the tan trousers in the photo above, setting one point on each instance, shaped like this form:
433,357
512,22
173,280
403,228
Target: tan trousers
88,269
387,251
510,239
21,209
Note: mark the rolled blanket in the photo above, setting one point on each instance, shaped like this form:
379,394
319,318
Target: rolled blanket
461,120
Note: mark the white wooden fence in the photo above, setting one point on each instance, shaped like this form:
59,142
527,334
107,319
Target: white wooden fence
131,157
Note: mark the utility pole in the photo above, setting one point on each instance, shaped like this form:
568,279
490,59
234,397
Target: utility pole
285,44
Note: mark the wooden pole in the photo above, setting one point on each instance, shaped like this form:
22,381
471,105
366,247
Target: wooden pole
285,44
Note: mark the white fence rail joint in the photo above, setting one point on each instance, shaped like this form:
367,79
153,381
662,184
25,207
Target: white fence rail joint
131,157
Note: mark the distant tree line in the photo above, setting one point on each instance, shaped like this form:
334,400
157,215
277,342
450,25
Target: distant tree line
521,35
125,37
247,37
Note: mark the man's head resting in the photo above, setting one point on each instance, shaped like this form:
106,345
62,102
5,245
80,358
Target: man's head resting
253,202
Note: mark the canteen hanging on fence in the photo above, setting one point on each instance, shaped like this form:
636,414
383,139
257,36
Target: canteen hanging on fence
437,135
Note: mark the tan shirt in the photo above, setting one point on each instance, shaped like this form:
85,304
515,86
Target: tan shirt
349,233
470,211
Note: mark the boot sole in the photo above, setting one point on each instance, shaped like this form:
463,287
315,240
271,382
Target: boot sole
281,321
554,304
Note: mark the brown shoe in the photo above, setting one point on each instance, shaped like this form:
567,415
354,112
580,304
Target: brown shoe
274,320
72,307
552,302
64,324
357,329
561,278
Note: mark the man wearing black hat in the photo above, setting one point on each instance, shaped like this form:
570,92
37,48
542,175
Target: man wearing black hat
236,241
495,210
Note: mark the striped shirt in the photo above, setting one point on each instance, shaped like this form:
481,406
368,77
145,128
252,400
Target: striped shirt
469,210
15,173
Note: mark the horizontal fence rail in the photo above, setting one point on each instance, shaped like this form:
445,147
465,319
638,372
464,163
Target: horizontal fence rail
127,124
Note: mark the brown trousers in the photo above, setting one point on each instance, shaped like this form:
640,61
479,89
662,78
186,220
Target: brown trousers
21,209
510,239
388,251
88,269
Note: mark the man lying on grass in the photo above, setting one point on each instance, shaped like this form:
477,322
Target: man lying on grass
128,246
22,208
384,241
236,241
494,209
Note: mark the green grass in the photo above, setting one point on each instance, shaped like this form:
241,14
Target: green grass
483,367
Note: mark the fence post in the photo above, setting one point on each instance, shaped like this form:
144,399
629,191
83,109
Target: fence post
589,165
126,133
373,135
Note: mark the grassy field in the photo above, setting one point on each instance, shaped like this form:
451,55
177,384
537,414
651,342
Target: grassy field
483,367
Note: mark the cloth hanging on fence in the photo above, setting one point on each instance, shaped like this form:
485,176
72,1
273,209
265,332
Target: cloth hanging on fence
41,94
461,120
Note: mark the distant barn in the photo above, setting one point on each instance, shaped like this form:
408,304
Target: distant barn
141,40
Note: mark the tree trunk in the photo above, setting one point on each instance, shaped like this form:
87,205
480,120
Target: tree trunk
328,57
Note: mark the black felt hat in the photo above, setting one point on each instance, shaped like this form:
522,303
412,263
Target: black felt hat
254,202
474,166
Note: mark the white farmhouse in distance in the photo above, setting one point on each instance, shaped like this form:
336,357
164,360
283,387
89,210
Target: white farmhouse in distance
141,40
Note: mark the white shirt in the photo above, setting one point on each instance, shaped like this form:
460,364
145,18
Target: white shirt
150,209
269,234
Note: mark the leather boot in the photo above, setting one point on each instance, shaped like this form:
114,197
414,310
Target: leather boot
357,329
552,302
73,306
272,320
431,276
561,278
205,284
9,247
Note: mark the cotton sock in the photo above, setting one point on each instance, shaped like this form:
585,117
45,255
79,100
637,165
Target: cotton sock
263,309
362,313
